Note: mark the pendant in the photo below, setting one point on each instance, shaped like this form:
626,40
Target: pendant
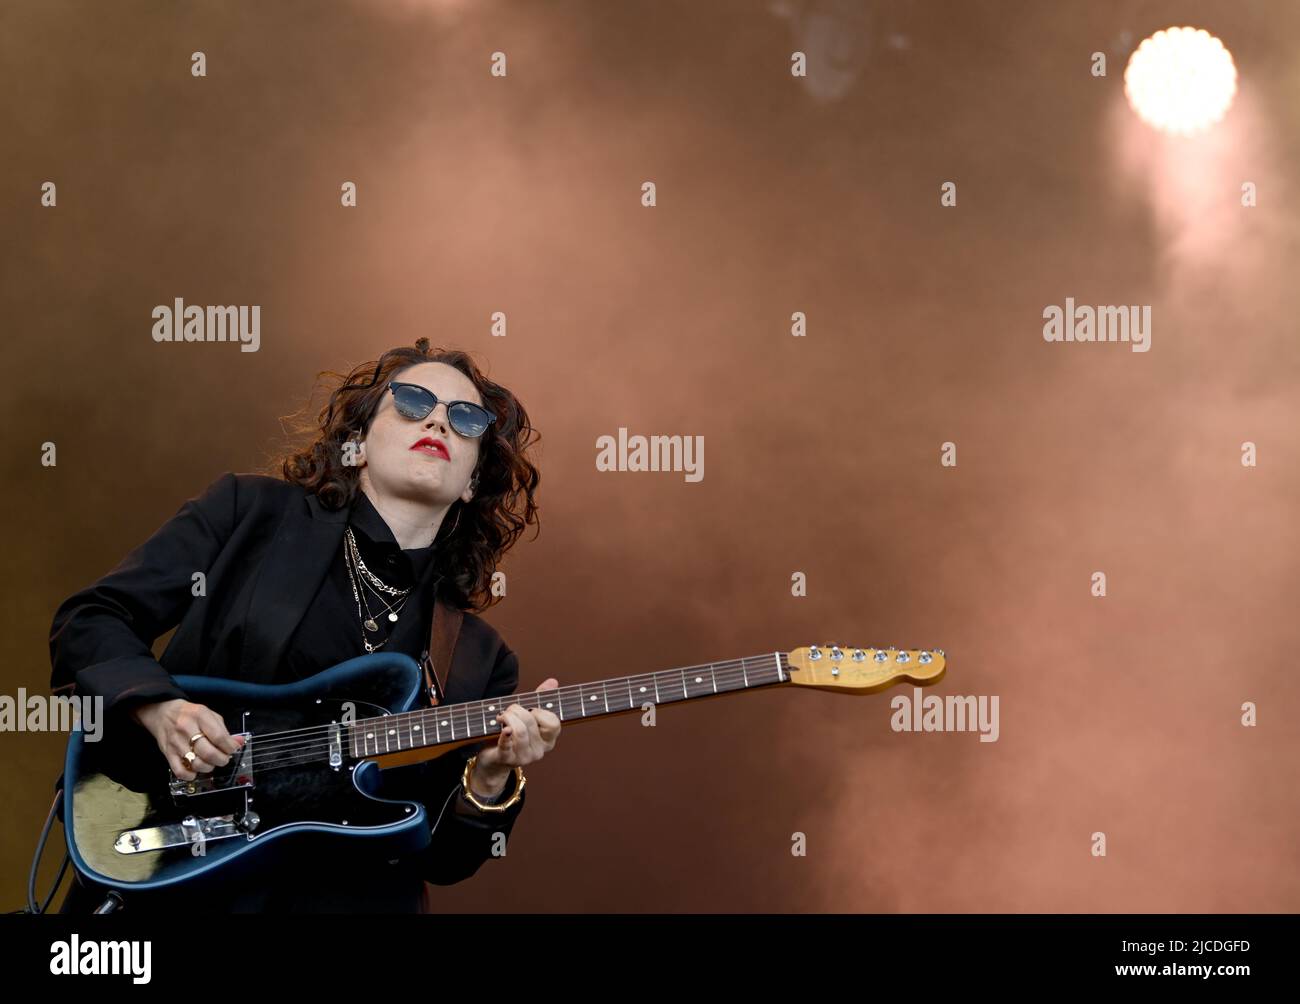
371,625
393,618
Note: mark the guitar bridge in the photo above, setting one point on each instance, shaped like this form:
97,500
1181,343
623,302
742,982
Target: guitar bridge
232,777
188,832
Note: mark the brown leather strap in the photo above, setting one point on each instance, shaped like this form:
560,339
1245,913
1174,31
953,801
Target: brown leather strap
442,643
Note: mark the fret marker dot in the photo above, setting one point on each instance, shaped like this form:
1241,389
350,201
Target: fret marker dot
392,732
443,722
699,679
643,690
370,735
417,728
593,697
550,705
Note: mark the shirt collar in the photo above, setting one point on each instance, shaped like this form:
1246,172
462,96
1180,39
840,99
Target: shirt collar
375,538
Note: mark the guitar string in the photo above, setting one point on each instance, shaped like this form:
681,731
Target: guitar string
317,738
288,754
319,753
313,739
726,664
480,707
729,668
305,742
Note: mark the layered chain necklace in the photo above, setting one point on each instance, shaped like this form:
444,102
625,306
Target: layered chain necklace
357,570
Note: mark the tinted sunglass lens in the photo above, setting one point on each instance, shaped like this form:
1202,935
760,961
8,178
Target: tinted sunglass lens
468,420
413,402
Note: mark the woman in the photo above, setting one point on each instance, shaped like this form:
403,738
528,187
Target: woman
270,580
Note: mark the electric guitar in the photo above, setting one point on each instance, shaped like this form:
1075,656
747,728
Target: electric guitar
314,750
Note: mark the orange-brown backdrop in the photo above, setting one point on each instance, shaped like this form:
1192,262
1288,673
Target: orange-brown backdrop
775,194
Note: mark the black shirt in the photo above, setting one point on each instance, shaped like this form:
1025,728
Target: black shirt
332,629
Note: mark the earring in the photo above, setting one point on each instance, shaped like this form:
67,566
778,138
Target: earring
357,446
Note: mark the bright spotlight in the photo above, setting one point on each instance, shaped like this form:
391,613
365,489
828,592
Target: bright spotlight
1180,80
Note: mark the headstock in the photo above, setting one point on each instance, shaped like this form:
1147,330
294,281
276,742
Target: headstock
864,670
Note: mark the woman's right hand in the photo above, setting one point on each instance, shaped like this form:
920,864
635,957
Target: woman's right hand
171,723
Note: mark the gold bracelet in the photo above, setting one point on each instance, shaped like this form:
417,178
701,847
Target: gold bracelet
482,807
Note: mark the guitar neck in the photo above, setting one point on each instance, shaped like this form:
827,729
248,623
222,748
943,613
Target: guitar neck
427,733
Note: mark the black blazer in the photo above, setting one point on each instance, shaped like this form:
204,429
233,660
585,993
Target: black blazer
265,546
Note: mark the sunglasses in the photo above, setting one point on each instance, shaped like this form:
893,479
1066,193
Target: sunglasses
416,402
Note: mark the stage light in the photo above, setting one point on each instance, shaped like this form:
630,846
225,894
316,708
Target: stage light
1180,80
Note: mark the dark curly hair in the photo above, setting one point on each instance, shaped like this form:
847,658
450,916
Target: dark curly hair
504,500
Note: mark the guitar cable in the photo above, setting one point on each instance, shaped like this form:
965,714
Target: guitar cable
40,850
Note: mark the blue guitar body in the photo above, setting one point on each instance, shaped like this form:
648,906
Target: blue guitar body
131,825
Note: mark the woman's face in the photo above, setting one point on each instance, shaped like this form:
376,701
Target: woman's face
392,464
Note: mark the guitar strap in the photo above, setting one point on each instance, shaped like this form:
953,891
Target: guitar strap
442,643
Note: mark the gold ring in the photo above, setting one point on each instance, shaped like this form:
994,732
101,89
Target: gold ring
190,757
195,738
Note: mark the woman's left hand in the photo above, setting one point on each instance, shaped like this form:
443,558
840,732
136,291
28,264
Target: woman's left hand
527,735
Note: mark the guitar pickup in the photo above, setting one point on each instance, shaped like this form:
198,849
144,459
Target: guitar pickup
336,747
